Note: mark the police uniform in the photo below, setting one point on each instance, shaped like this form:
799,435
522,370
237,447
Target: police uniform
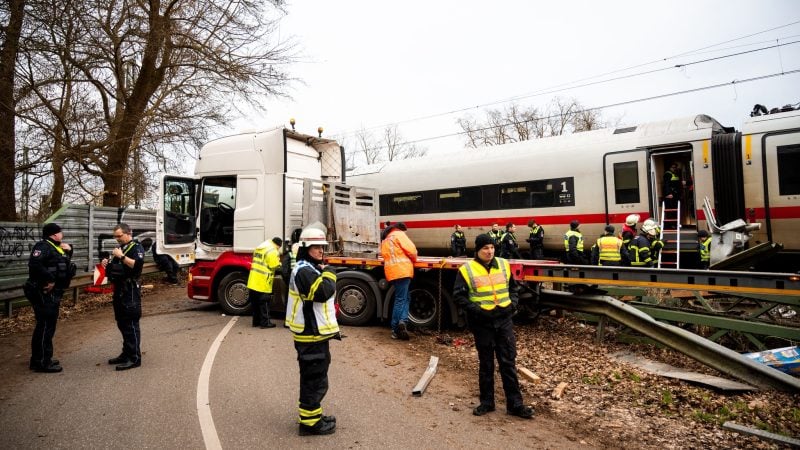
488,294
497,236
573,245
266,261
509,246
458,243
48,263
127,301
607,251
311,317
536,239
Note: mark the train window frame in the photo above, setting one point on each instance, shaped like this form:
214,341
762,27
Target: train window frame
410,203
788,160
626,195
463,199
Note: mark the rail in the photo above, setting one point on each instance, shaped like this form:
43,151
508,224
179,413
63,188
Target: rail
12,294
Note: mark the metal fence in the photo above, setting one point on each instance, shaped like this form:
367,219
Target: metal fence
87,228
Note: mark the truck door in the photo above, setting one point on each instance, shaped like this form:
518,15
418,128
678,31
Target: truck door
176,218
625,176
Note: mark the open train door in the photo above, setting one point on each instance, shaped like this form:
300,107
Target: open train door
625,181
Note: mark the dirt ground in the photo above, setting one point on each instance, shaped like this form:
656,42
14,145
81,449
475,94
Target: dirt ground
618,405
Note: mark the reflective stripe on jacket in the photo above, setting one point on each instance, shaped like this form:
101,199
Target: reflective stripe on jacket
266,261
577,234
609,247
640,252
323,323
399,255
705,250
488,289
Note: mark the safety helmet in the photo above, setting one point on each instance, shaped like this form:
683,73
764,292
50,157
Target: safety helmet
312,236
650,227
632,220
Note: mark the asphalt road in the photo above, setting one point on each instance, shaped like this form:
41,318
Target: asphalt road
252,388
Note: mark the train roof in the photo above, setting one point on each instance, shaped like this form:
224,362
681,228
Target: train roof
550,155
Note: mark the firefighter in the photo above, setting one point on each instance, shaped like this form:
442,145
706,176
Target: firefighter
573,244
536,239
124,269
640,246
656,245
704,247
608,249
486,290
458,242
266,262
399,255
50,271
311,317
508,243
673,189
497,234
628,233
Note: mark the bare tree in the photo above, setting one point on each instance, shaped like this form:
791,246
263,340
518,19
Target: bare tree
389,147
395,147
513,123
367,147
12,14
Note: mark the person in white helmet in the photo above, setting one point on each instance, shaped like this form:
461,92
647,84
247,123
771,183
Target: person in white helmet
311,316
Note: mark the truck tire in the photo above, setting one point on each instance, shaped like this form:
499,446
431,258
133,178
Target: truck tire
422,307
232,294
356,302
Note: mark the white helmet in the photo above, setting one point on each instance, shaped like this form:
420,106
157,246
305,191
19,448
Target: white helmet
650,227
632,220
311,235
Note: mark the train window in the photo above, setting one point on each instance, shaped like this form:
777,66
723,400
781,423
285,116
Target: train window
788,169
515,196
626,182
464,199
405,203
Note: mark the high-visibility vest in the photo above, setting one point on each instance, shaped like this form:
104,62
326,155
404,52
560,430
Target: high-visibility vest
497,235
609,247
577,234
488,289
262,269
673,177
705,250
324,313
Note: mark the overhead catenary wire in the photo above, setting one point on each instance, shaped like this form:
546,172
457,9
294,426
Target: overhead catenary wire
569,85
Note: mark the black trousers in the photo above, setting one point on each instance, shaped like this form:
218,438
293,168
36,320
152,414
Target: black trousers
260,304
495,338
314,359
46,313
127,303
537,253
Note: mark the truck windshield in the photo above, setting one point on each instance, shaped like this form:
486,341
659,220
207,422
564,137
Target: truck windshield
218,203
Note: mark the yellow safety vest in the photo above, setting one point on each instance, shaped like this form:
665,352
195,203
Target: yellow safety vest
488,289
705,250
577,234
262,269
609,247
673,177
324,313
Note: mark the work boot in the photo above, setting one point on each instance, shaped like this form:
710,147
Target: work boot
402,331
524,411
53,362
329,418
129,365
268,325
318,429
482,409
118,360
52,368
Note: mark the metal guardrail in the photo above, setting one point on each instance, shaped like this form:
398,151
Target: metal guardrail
13,294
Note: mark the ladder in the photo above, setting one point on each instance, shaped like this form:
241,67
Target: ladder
672,244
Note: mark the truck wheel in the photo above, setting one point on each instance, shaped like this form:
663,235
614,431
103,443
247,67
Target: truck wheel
356,302
232,294
422,308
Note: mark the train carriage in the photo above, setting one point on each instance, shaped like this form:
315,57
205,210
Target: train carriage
600,177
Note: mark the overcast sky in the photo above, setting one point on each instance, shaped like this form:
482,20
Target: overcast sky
372,63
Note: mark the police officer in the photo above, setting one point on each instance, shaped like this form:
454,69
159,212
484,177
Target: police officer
508,243
486,290
266,261
49,273
458,242
124,269
704,247
608,249
497,234
672,188
573,244
536,239
311,317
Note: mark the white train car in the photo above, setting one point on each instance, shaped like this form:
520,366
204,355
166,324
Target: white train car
600,177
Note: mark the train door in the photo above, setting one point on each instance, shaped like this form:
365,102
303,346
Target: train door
672,171
625,176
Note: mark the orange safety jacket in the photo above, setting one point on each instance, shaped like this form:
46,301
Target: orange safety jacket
399,255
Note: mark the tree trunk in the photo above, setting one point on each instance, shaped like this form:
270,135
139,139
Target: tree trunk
8,58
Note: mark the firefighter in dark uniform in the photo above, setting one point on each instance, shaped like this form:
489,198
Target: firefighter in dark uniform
311,317
458,242
508,243
124,269
704,247
536,239
486,291
639,249
49,273
573,244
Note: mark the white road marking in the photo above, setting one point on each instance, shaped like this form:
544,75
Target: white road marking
203,405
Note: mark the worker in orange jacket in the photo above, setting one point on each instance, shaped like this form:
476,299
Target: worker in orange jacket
399,255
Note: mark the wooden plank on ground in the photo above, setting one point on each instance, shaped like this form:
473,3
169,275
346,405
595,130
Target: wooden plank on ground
528,374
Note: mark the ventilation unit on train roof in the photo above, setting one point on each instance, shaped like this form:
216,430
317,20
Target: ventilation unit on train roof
625,130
